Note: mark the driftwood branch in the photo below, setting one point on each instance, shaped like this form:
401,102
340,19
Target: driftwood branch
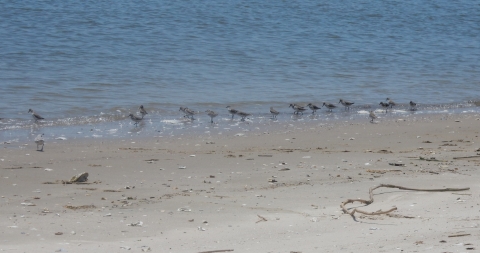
370,201
214,251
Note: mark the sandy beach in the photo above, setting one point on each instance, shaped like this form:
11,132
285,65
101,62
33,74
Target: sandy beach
275,189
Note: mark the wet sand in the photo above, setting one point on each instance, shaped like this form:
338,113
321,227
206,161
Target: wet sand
275,189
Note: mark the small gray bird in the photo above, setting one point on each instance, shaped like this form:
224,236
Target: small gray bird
391,103
39,141
135,119
35,116
347,104
329,106
232,111
413,106
274,112
243,115
385,106
372,116
212,115
143,111
298,109
313,107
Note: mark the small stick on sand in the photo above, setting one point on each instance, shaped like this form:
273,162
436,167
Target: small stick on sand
368,202
214,251
261,219
458,235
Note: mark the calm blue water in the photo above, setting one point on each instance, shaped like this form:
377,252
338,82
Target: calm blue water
87,62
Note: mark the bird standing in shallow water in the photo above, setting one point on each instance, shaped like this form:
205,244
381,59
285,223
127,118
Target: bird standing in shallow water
385,106
273,112
143,111
297,109
413,106
347,104
212,115
329,106
35,116
135,119
313,107
39,141
243,115
232,111
391,103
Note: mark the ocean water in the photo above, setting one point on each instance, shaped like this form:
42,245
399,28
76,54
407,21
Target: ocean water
82,64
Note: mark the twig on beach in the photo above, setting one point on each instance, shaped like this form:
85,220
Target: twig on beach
458,235
368,202
261,219
215,251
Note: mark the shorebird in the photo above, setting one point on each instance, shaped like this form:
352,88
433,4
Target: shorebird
39,141
313,107
143,111
273,112
243,115
212,115
232,111
329,106
189,113
413,106
183,110
385,106
372,116
135,119
347,104
297,108
390,102
35,116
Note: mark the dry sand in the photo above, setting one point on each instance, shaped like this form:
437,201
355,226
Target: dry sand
277,189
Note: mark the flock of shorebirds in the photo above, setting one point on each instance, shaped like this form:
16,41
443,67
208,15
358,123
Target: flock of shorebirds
188,113
297,109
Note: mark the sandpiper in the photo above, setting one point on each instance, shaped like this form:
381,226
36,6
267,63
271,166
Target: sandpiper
39,141
390,102
385,106
273,112
212,115
297,108
413,106
189,113
347,104
372,116
232,111
329,106
35,116
143,111
135,119
313,107
243,115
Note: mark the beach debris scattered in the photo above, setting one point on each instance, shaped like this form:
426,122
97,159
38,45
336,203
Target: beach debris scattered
184,209
370,201
397,164
59,233
145,249
261,218
80,207
135,224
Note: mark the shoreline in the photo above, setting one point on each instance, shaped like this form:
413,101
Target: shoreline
177,126
261,191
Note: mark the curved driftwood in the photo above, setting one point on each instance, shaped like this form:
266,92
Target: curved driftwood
368,202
